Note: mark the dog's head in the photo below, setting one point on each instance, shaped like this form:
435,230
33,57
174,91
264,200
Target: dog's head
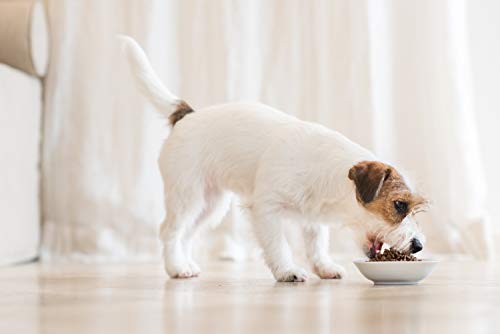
384,193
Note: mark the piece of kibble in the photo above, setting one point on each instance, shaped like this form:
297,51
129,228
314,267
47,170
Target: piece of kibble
393,255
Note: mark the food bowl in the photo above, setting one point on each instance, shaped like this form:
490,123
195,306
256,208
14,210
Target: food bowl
396,272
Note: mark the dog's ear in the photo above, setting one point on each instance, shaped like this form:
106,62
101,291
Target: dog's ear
369,176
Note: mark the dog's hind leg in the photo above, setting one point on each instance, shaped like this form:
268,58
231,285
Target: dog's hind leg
217,205
316,239
172,232
183,207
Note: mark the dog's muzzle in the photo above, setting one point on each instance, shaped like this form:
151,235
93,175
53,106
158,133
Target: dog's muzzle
415,246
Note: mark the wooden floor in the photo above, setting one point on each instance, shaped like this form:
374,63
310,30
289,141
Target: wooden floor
242,298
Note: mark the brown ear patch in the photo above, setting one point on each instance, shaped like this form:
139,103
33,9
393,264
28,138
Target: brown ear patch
379,186
369,176
181,110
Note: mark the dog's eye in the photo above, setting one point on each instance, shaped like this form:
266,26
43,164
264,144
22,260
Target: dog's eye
401,207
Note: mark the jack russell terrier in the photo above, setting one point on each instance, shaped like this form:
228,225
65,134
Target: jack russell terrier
282,169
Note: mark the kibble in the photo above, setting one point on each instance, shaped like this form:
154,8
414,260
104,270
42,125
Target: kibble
393,255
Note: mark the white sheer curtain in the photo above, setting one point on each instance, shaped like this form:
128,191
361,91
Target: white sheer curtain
391,75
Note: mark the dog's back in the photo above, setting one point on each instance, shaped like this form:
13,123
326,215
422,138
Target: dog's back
213,139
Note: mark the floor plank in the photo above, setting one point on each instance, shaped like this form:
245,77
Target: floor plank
458,297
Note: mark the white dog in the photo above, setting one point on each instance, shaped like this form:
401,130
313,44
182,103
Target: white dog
283,169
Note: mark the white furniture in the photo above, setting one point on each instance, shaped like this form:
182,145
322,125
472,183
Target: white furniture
20,106
24,47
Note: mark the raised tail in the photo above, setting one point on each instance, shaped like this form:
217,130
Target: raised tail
150,84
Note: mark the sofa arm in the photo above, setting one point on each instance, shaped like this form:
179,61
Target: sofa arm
24,37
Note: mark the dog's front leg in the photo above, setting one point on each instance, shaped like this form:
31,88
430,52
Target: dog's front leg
317,241
277,253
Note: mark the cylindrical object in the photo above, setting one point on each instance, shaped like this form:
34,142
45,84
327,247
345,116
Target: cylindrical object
24,38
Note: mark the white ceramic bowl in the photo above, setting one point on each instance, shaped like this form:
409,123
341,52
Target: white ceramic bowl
395,272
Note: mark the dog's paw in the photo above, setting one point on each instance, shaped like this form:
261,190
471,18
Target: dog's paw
291,275
181,270
195,269
329,270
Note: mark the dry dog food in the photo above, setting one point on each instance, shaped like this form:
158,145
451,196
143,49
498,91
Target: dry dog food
393,255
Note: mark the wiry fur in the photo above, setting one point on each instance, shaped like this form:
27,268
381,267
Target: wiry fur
282,169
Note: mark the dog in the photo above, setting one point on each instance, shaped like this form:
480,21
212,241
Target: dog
282,169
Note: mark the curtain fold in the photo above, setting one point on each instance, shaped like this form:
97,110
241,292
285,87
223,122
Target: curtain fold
393,76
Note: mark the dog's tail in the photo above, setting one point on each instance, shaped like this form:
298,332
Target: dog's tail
150,84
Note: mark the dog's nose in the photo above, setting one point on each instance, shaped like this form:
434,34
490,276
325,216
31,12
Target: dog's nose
416,246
